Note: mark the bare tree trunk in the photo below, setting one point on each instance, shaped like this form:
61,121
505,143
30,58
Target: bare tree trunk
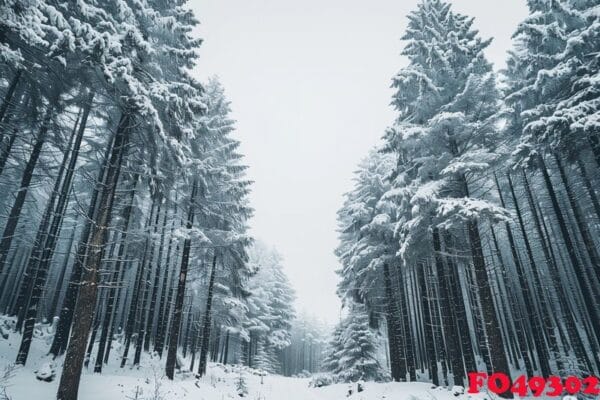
207,321
84,309
538,329
409,351
588,240
15,211
448,321
591,304
59,343
147,288
519,332
571,325
156,285
428,326
35,274
589,188
61,278
139,279
458,305
188,324
393,319
116,279
491,326
178,308
162,319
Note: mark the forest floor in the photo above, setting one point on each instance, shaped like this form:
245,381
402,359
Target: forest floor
220,383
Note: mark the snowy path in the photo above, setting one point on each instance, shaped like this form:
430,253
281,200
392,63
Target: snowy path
216,386
220,383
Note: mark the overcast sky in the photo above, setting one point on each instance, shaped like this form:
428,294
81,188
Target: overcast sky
309,85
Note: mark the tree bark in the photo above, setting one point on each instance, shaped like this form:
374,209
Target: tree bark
84,309
61,278
34,279
543,317
591,305
162,319
491,325
407,353
59,343
139,279
178,308
588,240
116,279
207,321
428,326
392,318
519,331
15,212
144,314
156,285
589,188
448,319
571,325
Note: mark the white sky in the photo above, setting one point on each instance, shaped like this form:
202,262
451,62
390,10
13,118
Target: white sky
309,85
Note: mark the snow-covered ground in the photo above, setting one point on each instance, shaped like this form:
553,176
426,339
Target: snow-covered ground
220,383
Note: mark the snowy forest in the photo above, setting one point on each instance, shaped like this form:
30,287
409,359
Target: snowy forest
471,235
468,242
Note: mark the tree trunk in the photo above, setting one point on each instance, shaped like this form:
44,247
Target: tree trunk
491,325
156,285
589,188
84,309
35,276
595,147
547,326
392,318
194,344
116,279
59,343
144,314
226,348
15,212
448,319
161,328
518,328
90,347
178,308
571,325
591,304
139,279
207,321
61,278
63,194
11,100
458,301
581,223
408,350
428,326
188,324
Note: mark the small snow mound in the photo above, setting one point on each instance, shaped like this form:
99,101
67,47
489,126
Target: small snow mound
457,390
46,373
321,380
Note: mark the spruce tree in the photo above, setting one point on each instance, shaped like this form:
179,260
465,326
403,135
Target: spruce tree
358,354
